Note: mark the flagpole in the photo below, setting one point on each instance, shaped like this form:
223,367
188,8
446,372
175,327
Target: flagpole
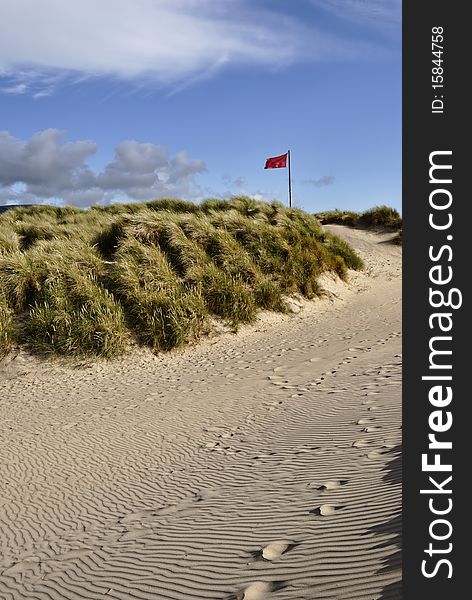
289,181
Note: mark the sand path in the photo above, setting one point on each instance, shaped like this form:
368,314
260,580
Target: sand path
259,466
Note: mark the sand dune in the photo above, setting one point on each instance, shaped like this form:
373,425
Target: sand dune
253,467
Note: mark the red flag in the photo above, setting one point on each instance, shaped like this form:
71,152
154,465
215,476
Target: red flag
277,162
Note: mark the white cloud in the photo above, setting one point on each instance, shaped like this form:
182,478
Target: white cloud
18,88
43,93
47,168
321,182
169,42
377,13
237,183
42,159
164,38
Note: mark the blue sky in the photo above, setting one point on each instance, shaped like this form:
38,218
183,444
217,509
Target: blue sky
137,99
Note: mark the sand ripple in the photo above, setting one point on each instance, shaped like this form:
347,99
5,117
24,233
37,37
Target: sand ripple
254,467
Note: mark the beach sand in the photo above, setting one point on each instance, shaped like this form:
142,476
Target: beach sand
262,465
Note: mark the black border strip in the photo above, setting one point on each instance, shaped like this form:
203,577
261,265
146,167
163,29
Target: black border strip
426,132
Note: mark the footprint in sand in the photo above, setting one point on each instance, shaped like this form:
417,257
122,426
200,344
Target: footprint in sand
24,565
136,516
304,449
72,554
171,509
375,455
135,534
277,380
183,505
273,403
258,590
274,550
332,484
262,455
360,443
365,421
325,510
211,445
215,429
208,493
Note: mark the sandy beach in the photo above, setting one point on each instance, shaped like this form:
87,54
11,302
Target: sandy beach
254,466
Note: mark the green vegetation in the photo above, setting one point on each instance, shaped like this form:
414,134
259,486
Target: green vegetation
378,217
6,326
89,282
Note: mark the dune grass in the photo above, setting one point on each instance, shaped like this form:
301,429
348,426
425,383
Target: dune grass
378,217
89,282
6,326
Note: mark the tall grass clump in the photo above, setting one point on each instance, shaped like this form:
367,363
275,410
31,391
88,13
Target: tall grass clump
86,282
24,274
378,217
75,317
9,240
232,283
163,230
55,289
30,233
6,326
341,249
226,296
381,216
173,205
339,217
222,248
161,311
